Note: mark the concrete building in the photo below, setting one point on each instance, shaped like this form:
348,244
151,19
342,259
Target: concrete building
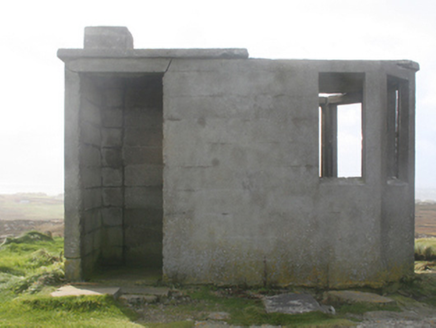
217,168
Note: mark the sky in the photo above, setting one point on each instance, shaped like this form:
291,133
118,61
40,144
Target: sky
32,86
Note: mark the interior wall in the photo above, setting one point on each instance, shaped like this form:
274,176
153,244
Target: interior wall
90,168
112,171
143,165
131,172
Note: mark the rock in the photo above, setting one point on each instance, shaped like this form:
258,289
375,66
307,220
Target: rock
71,290
137,299
219,316
349,296
157,291
210,324
291,304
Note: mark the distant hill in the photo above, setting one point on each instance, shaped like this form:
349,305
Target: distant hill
31,206
425,194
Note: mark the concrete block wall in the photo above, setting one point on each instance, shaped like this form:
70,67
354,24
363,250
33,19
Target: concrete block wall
91,171
241,172
143,166
131,170
244,200
234,172
112,175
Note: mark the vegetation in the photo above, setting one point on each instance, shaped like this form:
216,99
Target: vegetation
31,267
244,308
425,222
30,262
425,249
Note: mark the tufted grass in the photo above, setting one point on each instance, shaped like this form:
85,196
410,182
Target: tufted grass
425,249
31,266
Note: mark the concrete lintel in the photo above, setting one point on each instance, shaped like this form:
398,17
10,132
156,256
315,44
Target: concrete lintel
225,53
112,65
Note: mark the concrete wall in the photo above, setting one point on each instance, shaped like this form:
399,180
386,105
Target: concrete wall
90,167
142,155
241,172
116,197
243,201
112,170
227,152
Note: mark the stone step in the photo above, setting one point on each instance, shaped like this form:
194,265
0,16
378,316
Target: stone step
79,290
294,303
134,299
128,294
146,290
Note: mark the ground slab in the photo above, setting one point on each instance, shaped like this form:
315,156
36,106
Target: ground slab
349,296
291,304
71,290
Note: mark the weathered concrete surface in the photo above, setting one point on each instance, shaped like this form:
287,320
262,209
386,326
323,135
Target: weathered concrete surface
138,290
108,37
71,290
291,304
66,54
210,169
138,299
349,296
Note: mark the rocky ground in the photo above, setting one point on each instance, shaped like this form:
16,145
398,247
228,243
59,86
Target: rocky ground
13,228
415,314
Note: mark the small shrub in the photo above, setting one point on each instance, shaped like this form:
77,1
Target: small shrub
425,249
28,237
45,277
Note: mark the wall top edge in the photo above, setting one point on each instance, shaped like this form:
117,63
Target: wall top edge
226,53
217,53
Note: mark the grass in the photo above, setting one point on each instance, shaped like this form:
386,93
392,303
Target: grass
422,287
425,249
84,311
361,308
243,310
31,266
30,262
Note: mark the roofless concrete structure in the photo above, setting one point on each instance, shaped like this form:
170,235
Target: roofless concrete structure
213,167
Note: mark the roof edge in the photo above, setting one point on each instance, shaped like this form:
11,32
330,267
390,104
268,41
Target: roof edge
225,53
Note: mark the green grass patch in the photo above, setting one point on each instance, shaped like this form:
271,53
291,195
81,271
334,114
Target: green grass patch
246,310
29,265
175,324
425,249
84,311
421,288
361,308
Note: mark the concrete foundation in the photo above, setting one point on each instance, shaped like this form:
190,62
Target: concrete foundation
212,166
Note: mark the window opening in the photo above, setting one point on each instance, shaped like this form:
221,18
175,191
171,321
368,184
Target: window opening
340,124
397,121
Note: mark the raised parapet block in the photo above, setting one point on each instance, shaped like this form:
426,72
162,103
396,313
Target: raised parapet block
108,37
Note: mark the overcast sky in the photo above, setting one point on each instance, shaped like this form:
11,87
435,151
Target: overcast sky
31,117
